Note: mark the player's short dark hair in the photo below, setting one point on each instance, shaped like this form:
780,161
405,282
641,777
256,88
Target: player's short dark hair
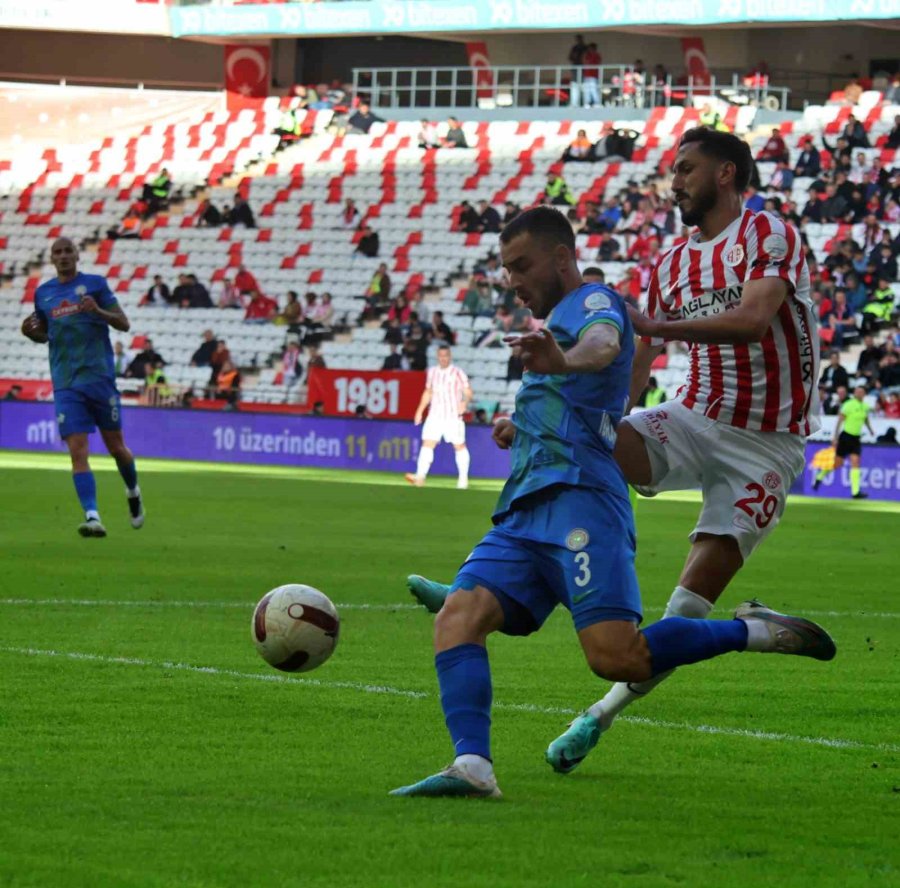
725,147
543,223
444,347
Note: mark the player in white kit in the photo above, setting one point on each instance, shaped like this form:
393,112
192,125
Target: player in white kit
447,395
738,292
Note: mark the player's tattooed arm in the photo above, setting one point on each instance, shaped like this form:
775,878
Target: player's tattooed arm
115,317
596,349
760,300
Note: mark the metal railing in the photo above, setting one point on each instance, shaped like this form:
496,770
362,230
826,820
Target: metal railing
546,86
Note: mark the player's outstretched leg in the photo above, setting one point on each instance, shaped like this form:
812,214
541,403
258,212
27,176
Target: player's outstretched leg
428,592
464,677
124,458
677,641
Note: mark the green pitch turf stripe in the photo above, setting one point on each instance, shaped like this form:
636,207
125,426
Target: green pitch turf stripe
827,742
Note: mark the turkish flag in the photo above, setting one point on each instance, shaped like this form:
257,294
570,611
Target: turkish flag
247,75
695,60
484,73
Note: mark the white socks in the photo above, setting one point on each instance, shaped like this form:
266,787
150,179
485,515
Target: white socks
92,515
133,493
426,458
462,465
758,637
683,603
476,766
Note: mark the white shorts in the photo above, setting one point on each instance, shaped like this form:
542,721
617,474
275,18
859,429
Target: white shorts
453,431
744,475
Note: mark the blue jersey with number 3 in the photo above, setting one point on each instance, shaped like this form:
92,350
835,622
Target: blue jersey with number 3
80,351
566,424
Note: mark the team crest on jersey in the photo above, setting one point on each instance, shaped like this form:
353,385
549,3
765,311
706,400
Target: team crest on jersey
772,480
735,256
577,539
776,246
80,291
597,302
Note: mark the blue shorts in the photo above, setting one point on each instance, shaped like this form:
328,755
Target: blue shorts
87,408
569,546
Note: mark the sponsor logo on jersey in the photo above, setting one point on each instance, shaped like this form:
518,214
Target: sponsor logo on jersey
64,309
577,539
597,302
713,302
735,256
776,246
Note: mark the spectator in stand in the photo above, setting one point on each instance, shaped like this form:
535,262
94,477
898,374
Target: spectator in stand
855,291
147,356
556,191
120,358
813,208
240,213
835,206
399,311
245,281
455,137
593,275
880,306
208,216
478,300
653,394
415,350
261,309
869,359
581,149
197,296
775,148
467,218
377,295
440,331
350,216
853,90
428,135
590,74
576,53
322,312
362,120
480,417
782,178
841,322
488,218
611,216
181,295
203,356
220,355
156,191
292,313
157,294
831,403
610,250
14,392
128,229
394,360
227,294
855,133
659,83
809,163
291,368
226,384
369,244
512,210
893,139
753,200
710,117
885,262
834,375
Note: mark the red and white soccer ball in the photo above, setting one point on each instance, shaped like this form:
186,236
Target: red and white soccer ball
295,628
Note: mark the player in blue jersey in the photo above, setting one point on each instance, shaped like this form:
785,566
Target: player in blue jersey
73,312
563,527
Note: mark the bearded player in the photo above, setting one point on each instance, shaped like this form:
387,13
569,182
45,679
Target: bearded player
738,292
73,312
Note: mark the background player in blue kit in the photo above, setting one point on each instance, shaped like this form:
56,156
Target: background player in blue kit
563,527
74,312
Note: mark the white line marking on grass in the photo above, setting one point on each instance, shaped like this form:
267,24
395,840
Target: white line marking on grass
108,602
827,742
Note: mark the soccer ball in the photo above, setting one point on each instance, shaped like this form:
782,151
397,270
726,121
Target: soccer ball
295,628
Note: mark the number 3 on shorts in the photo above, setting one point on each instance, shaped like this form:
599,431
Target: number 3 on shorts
766,502
583,560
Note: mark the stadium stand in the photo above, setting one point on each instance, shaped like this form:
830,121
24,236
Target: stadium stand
407,194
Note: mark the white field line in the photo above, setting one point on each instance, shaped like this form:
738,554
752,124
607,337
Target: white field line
277,678
109,602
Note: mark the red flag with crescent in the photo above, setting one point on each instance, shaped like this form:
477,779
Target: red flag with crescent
695,63
484,73
247,74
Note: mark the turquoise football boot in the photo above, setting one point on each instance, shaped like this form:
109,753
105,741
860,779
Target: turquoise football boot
570,749
452,782
428,592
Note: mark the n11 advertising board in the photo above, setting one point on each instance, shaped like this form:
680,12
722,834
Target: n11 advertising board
384,394
344,443
258,438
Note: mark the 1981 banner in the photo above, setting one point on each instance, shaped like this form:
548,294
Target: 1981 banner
384,394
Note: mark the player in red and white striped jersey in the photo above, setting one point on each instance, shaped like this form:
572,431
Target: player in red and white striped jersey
447,395
738,292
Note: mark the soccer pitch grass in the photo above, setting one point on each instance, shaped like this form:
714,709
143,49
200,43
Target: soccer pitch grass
144,742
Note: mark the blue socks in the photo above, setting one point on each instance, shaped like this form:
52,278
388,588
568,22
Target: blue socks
86,488
128,471
464,676
678,641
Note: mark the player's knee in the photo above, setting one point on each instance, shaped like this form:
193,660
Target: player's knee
619,664
467,615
